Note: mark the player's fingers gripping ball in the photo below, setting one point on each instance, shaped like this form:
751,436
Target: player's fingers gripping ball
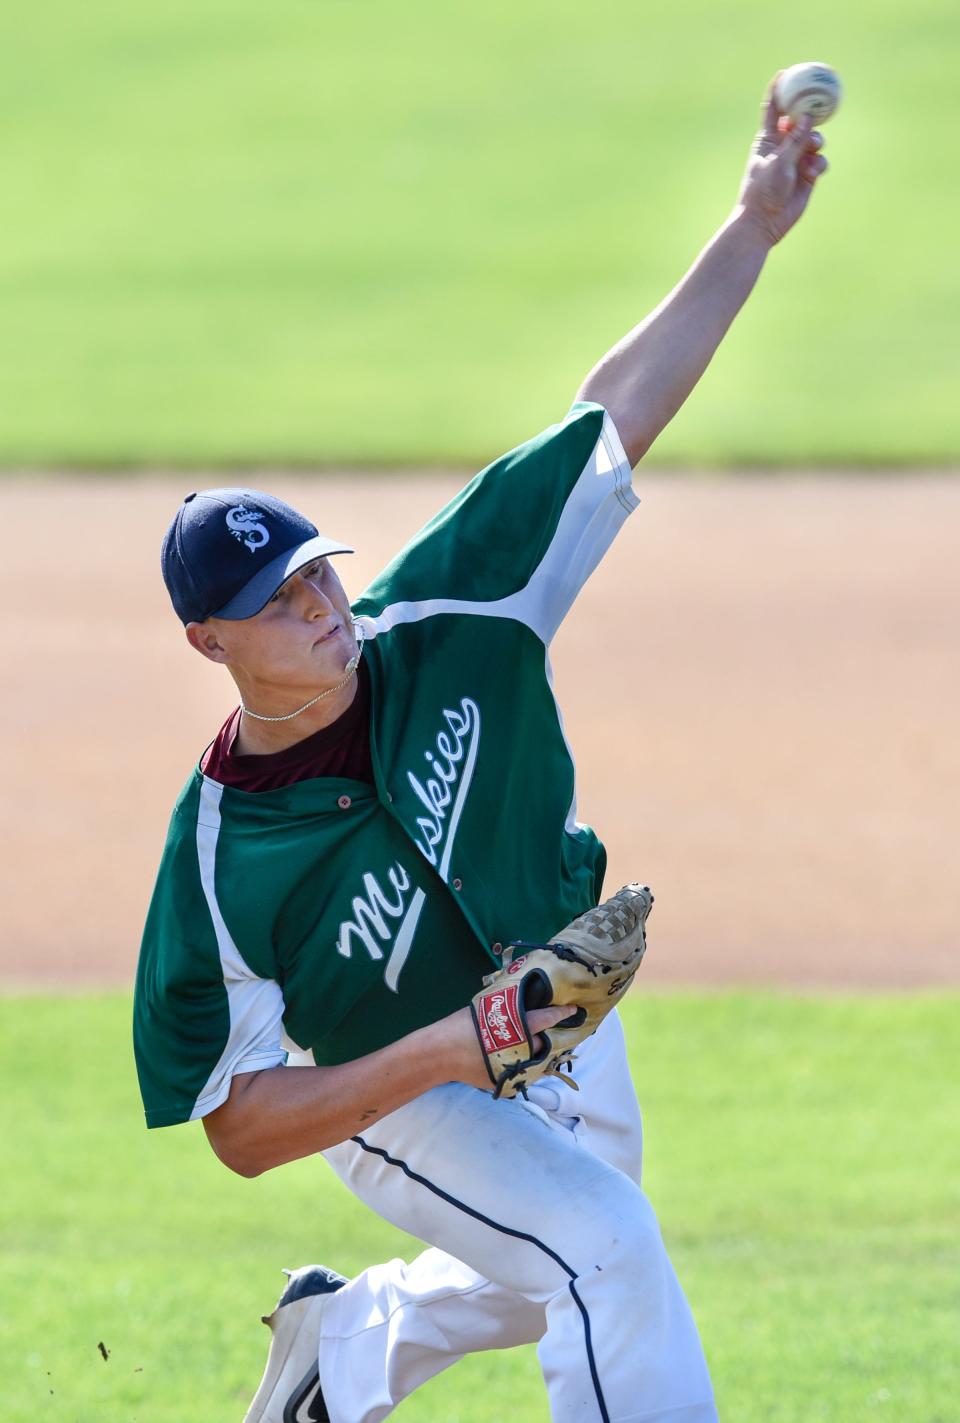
590,965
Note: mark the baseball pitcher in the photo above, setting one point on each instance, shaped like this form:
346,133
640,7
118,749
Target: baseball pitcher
379,930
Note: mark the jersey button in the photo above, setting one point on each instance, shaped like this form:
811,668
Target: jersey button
458,884
344,802
497,949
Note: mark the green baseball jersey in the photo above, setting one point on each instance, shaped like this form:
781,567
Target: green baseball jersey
332,917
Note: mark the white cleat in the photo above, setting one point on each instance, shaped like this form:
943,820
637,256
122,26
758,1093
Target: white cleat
290,1390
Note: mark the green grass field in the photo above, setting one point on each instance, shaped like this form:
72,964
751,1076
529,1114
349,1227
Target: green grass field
237,233
802,1154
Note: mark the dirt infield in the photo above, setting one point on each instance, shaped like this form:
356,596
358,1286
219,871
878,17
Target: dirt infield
761,684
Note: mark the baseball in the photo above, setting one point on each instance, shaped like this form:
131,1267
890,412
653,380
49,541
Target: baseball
808,89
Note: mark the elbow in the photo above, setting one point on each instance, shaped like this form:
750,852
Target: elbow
244,1166
237,1152
237,1157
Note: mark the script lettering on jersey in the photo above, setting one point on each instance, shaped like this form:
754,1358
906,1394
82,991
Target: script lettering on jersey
452,763
372,911
444,792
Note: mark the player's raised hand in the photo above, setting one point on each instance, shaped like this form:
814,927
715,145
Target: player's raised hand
784,164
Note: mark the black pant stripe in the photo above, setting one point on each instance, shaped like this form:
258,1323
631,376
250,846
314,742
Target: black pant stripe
504,1230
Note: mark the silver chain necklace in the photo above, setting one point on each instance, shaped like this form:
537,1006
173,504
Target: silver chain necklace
352,666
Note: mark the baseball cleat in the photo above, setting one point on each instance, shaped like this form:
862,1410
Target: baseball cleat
290,1390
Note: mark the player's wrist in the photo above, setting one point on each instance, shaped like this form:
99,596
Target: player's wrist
751,230
451,1052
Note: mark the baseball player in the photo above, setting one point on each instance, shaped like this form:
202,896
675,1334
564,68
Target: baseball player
392,804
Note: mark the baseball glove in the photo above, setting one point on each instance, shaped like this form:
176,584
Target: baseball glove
590,965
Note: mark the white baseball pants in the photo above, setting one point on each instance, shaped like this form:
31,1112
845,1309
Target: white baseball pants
539,1232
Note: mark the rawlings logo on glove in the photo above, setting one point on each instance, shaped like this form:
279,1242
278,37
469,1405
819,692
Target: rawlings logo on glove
499,1021
590,965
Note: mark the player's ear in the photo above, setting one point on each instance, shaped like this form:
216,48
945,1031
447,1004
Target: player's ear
203,638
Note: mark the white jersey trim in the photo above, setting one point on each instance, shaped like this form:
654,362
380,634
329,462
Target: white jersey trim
572,825
595,511
255,1004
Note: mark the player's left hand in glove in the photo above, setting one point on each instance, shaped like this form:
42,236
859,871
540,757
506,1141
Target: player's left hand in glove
590,965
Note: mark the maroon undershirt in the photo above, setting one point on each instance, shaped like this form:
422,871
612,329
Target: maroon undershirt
341,749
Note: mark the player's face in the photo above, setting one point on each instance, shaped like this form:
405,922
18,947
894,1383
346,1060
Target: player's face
303,637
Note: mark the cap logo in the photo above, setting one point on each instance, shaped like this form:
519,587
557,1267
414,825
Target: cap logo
246,528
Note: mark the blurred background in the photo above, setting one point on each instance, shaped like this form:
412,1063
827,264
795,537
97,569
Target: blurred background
375,233
351,253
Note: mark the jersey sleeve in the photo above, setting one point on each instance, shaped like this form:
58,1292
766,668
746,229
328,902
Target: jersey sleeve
522,537
200,1014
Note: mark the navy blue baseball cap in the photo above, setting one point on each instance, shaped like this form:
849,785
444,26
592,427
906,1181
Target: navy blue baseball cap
228,551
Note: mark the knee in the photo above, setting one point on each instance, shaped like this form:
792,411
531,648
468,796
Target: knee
632,1247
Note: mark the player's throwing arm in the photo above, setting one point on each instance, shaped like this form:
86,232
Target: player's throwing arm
646,377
